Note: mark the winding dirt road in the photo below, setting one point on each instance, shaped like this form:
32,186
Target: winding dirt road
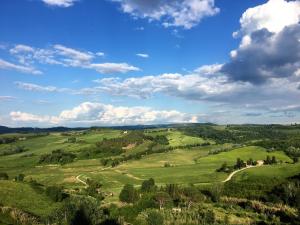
81,181
259,163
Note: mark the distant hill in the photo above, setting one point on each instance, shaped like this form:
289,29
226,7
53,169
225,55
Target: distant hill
5,130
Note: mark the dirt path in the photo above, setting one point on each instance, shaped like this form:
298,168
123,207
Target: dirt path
81,181
128,175
259,163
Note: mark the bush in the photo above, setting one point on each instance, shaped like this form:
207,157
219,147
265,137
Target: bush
148,185
128,194
55,193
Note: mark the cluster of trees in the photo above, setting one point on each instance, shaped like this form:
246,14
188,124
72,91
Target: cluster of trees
13,150
79,210
165,202
237,134
238,165
159,139
113,147
57,156
241,164
270,160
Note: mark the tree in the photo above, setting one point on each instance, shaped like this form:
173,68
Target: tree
128,194
148,185
239,164
94,189
250,162
268,160
273,160
295,159
162,199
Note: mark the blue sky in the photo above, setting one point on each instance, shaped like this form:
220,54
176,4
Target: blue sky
115,62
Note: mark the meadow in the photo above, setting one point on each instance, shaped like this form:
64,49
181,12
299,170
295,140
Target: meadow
185,160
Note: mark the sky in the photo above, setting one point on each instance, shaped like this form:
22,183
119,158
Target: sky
128,62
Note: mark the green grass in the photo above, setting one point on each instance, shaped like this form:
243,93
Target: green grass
192,165
22,196
279,171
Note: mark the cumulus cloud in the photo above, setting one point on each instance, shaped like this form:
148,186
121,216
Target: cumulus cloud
63,56
267,31
267,56
171,13
95,113
23,69
190,86
142,55
60,3
274,16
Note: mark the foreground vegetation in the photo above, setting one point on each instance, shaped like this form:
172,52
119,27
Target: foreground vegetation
181,174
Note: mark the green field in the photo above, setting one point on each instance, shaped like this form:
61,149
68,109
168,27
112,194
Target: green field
193,164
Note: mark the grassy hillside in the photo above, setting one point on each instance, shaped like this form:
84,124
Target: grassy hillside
180,156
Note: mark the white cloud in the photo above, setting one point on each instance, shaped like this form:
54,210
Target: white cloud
27,117
60,3
109,68
35,87
266,32
173,13
73,54
6,98
64,56
191,86
39,88
273,16
21,48
24,69
142,55
209,69
101,54
95,113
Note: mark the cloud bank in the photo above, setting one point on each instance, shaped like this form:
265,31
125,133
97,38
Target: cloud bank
88,113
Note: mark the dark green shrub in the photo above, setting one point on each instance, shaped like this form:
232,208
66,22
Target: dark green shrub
55,193
128,194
